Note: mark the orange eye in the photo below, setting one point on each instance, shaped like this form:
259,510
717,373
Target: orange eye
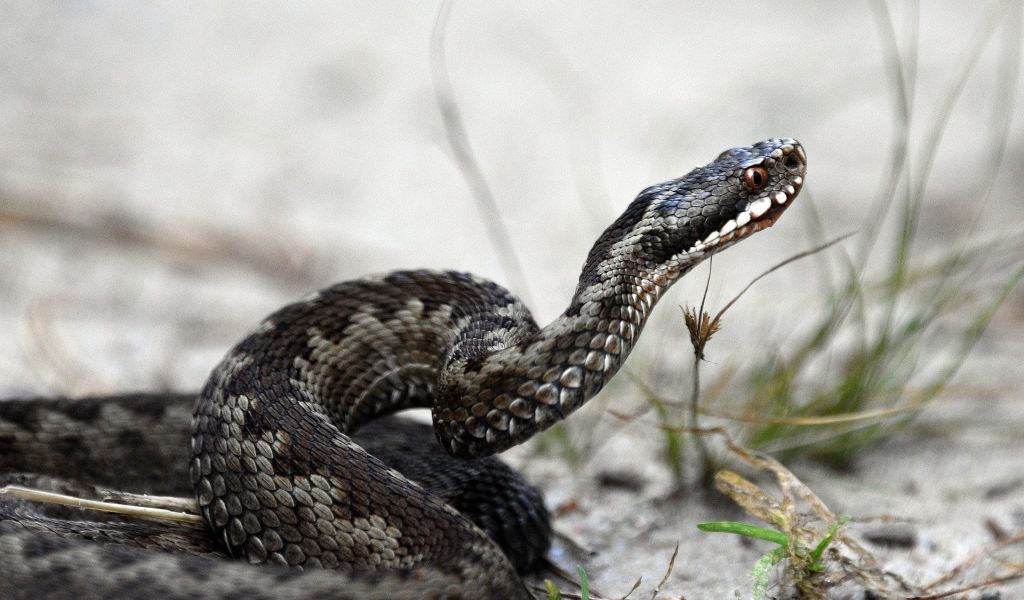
755,178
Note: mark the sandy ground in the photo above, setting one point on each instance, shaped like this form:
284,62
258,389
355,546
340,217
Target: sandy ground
170,173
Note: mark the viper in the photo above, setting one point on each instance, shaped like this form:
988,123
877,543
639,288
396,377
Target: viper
293,458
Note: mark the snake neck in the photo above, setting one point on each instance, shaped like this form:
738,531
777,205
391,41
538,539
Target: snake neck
497,399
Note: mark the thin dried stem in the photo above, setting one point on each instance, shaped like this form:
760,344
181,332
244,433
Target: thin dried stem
142,512
668,573
778,266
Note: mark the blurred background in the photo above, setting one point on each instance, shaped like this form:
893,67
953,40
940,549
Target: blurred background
171,172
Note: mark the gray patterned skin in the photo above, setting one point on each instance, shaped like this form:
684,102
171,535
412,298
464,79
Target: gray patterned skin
134,442
279,477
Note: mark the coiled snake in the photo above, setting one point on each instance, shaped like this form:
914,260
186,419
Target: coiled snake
272,464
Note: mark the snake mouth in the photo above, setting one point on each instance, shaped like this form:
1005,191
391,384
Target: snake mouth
764,211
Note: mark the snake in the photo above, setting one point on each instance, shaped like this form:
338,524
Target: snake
294,455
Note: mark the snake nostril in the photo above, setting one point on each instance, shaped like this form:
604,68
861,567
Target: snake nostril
793,162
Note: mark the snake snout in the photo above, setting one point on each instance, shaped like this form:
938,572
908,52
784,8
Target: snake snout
796,161
792,162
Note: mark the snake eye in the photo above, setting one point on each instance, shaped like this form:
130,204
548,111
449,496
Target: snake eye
755,178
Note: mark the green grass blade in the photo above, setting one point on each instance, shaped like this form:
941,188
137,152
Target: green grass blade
746,530
584,583
825,541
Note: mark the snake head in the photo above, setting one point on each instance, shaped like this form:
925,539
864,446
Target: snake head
672,226
743,191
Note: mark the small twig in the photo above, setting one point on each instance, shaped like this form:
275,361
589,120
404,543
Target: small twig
968,588
668,572
142,512
971,560
819,420
171,503
636,584
700,333
778,266
702,327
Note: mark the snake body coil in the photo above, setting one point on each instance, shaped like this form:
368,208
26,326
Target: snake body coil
274,466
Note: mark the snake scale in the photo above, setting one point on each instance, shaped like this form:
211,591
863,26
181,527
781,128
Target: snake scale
270,448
